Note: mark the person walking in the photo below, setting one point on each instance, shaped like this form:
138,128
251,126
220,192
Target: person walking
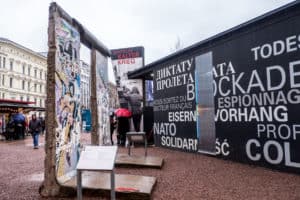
135,102
19,120
35,128
10,129
123,128
113,125
42,120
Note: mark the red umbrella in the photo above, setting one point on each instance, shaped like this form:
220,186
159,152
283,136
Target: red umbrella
123,112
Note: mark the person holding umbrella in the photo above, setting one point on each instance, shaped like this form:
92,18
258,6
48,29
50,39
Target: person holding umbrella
123,116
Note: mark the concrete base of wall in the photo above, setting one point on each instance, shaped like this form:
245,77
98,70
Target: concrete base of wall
127,186
139,161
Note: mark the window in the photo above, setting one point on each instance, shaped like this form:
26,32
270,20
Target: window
35,87
0,61
41,88
35,101
21,98
41,102
28,98
4,62
28,86
35,73
3,80
28,71
41,74
11,64
23,69
23,85
10,82
3,95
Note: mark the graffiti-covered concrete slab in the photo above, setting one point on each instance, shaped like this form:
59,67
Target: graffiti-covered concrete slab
102,99
139,161
67,99
134,187
63,116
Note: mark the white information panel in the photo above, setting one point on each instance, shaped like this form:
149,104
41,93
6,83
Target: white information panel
97,158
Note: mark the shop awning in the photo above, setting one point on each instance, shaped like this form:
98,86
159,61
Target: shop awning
11,105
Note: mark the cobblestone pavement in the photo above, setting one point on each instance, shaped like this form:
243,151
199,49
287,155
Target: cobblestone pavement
184,176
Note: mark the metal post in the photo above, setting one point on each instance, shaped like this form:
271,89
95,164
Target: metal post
128,143
112,182
145,138
79,187
129,146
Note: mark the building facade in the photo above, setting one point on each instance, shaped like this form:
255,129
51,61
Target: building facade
23,73
85,82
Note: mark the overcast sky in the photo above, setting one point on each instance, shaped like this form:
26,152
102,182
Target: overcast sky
154,24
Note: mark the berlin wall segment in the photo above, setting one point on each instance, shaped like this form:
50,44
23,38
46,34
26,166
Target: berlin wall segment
254,84
67,93
63,114
103,97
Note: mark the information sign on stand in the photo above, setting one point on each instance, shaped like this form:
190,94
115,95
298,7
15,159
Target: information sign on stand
97,158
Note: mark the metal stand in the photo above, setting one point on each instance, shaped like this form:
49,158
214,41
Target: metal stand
136,137
89,161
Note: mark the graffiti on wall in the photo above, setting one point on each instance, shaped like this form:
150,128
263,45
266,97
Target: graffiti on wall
67,99
102,99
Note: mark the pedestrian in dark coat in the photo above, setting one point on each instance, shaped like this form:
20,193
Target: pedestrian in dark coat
123,128
35,127
19,120
42,120
135,102
10,129
113,125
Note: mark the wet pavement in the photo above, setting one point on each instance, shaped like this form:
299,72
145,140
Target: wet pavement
183,175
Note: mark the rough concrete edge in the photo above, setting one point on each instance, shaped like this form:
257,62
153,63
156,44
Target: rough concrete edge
50,186
119,164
